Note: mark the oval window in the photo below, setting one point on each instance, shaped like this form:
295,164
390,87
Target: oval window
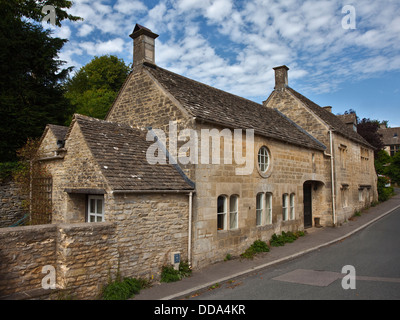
263,159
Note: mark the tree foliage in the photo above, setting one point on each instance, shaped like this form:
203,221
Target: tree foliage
368,129
31,76
94,87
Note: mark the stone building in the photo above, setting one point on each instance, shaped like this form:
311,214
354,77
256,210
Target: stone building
390,139
180,166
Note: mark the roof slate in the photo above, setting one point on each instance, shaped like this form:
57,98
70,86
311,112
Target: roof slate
59,131
390,136
216,106
330,119
120,152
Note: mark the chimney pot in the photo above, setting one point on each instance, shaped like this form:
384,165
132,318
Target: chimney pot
281,77
143,45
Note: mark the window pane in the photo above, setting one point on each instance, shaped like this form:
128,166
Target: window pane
259,209
292,213
233,203
269,209
99,218
284,206
221,222
92,218
92,206
233,222
221,204
263,159
99,206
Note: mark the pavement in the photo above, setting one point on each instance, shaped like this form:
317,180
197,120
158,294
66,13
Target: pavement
315,239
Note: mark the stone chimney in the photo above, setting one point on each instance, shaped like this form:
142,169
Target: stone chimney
328,108
281,77
143,45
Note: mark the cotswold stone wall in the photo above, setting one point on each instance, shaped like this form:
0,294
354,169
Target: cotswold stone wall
290,167
82,255
149,228
10,204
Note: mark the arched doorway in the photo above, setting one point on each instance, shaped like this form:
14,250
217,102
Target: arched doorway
307,201
311,193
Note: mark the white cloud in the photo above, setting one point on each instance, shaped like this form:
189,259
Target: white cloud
101,48
84,30
129,7
257,35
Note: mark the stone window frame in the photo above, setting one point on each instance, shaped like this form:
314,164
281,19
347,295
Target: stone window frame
292,205
234,214
95,214
225,212
222,214
260,199
268,170
285,207
343,155
264,214
394,148
344,190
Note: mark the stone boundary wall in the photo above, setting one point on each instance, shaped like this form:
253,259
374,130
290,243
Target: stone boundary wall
84,256
10,204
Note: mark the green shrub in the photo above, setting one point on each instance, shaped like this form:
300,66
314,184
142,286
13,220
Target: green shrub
257,247
169,274
384,193
285,237
123,290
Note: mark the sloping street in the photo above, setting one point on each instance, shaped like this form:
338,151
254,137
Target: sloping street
373,252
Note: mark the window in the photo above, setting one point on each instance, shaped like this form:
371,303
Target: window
345,195
221,213
263,159
259,208
95,209
285,207
394,149
364,160
263,209
233,212
360,194
343,155
292,211
269,208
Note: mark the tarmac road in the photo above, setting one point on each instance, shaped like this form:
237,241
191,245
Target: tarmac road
374,252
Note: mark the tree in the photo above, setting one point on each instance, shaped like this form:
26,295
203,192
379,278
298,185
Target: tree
368,129
394,169
382,162
31,76
32,9
93,89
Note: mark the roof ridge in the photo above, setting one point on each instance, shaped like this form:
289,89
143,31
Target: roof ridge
325,115
203,84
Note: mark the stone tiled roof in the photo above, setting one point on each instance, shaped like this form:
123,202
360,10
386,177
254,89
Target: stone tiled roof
120,152
58,131
219,107
390,136
330,119
350,118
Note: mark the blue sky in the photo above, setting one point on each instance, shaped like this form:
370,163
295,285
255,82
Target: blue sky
233,45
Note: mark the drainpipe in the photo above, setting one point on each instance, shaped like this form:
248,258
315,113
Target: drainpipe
333,180
332,177
190,230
